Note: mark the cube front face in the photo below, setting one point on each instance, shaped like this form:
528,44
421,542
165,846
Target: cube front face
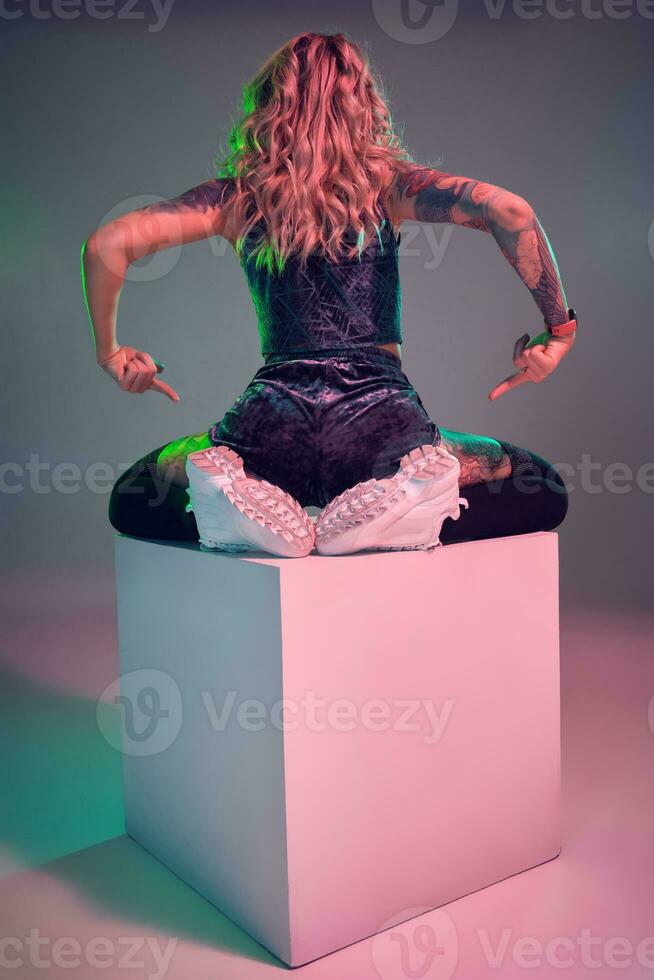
426,759
417,757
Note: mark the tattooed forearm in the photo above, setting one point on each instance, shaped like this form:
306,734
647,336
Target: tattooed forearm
531,255
508,218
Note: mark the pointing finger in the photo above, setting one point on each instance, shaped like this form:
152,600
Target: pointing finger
164,389
512,381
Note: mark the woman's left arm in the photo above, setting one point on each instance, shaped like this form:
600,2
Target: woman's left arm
106,255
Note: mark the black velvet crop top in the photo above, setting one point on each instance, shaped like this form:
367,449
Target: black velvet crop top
353,303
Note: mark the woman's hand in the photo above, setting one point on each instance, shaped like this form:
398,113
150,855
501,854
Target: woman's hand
134,370
535,360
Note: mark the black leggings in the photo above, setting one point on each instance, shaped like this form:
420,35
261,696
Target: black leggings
532,498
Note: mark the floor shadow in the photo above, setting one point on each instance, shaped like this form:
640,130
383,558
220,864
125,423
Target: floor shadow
123,879
64,794
63,780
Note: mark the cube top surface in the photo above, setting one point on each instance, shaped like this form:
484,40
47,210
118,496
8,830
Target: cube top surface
314,560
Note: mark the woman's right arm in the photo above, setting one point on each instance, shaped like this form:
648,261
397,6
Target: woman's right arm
426,194
106,255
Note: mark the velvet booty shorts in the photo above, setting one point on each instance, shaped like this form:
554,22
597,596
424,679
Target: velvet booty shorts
318,422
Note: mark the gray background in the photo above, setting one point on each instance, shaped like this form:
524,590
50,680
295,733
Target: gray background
104,115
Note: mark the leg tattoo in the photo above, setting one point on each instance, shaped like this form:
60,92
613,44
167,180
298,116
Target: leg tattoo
481,458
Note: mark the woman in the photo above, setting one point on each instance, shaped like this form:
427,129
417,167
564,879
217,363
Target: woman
311,197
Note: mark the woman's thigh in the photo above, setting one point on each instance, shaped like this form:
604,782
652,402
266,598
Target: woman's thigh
481,458
171,461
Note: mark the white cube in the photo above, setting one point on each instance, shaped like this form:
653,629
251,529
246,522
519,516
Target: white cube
321,746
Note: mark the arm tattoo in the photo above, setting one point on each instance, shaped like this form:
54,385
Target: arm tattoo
530,253
202,198
510,220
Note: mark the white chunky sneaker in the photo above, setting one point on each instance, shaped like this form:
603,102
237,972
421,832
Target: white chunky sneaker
236,512
402,512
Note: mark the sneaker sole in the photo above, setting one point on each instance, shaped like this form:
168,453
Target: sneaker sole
268,519
367,502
